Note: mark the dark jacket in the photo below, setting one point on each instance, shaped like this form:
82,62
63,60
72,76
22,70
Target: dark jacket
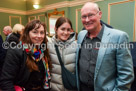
109,26
2,53
133,52
14,70
14,38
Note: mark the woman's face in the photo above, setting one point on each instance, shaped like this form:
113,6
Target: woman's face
37,35
63,32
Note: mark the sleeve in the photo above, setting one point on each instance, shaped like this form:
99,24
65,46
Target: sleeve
10,69
2,53
125,74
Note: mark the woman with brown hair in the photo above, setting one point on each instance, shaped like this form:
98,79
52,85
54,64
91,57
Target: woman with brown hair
65,40
28,65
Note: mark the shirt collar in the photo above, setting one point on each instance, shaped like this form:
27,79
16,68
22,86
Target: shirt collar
100,33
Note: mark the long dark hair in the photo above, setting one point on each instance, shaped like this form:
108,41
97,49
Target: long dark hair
25,38
62,20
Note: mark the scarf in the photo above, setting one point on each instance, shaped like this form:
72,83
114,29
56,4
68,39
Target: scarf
37,55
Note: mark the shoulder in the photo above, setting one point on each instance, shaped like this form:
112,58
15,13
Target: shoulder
50,46
18,52
48,38
50,41
13,35
116,35
13,38
15,57
115,32
82,33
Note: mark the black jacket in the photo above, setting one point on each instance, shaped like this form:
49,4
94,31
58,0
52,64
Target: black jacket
15,71
2,53
133,52
14,38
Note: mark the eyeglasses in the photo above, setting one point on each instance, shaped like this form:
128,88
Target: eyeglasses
89,16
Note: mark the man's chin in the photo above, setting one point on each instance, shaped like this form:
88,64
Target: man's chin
89,28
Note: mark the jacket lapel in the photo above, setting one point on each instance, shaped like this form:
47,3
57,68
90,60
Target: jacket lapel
81,36
101,53
80,39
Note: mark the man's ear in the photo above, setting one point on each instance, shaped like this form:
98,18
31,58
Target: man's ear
100,14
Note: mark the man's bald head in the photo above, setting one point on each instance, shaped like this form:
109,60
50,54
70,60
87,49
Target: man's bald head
7,30
91,5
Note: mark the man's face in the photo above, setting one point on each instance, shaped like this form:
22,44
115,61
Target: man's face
90,18
5,32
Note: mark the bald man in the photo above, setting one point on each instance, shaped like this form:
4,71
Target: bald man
7,30
100,67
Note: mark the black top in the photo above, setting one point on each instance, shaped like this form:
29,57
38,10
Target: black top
133,52
36,79
15,72
2,53
14,38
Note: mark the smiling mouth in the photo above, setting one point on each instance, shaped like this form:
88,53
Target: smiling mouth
89,23
37,41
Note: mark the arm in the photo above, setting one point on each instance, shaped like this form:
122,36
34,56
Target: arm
2,52
125,74
10,70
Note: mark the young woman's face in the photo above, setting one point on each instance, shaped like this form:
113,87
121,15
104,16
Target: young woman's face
37,35
63,32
